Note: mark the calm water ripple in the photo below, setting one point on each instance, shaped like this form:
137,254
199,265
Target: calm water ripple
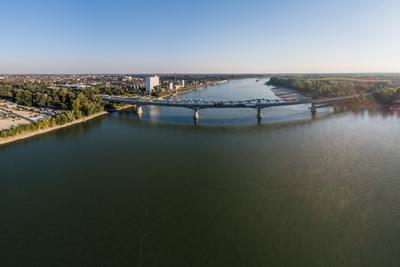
161,191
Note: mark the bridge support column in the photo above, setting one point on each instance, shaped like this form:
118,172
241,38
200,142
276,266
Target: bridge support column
139,110
335,107
313,110
196,115
259,114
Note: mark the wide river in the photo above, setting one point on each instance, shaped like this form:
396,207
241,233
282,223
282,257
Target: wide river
161,191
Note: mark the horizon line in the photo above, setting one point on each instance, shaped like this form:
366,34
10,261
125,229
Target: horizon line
198,73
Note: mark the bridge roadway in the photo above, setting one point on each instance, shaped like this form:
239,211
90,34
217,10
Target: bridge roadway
197,105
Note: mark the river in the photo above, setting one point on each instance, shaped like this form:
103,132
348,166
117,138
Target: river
161,191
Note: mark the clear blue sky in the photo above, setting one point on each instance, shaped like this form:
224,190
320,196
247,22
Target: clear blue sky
202,36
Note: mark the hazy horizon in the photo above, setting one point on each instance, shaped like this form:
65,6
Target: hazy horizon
218,37
204,73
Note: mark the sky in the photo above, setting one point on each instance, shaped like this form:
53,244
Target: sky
199,36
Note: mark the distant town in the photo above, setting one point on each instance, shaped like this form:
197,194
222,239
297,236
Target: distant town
145,84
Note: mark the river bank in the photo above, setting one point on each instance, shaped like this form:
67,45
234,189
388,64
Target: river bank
50,129
289,94
43,131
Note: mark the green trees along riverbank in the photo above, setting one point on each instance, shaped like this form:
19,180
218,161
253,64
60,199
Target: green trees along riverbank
387,95
75,104
83,101
44,124
319,86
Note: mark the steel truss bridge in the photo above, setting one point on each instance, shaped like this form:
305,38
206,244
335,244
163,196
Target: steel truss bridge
198,104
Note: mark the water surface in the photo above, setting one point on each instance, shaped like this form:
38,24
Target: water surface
228,191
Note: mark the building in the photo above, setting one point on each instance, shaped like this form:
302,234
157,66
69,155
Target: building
127,78
152,82
180,84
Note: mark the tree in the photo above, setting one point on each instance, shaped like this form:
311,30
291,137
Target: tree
5,90
387,95
40,99
23,97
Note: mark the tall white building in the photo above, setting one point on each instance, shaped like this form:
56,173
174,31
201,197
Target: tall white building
152,82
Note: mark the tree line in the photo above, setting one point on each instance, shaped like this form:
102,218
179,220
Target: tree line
332,86
329,87
75,104
387,95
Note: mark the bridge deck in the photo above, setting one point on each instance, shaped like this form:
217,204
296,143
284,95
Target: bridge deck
206,104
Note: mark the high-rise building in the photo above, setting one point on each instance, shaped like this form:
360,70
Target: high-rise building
170,86
151,82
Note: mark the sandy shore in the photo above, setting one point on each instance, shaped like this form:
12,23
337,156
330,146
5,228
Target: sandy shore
8,122
42,131
124,107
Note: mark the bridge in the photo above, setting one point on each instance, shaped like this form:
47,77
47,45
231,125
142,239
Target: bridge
197,104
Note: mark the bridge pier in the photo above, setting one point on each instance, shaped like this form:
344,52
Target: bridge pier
138,110
313,110
259,114
335,107
196,115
